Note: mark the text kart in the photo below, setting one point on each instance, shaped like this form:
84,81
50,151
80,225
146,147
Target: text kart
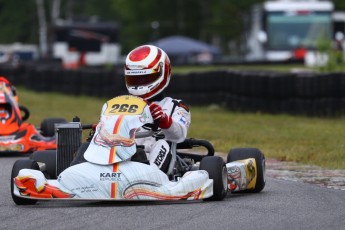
107,166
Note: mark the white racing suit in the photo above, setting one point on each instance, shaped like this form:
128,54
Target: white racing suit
156,147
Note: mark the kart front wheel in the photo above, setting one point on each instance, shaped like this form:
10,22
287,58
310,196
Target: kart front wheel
216,168
18,165
237,154
48,157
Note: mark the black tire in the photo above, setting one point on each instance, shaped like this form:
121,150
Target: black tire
79,157
216,168
244,153
18,165
48,126
48,157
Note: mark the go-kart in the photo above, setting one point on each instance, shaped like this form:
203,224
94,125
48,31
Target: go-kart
15,134
107,166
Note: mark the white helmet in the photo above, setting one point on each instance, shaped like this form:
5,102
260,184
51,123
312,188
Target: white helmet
147,71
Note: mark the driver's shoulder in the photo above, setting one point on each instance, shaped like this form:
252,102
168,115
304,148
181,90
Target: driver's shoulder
169,100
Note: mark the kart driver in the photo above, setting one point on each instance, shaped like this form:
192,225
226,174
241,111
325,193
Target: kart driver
5,86
147,74
4,114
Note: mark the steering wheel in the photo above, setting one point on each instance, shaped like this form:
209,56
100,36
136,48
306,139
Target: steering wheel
25,111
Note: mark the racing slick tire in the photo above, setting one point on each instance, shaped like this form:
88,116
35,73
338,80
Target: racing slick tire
48,126
48,157
17,166
216,168
245,153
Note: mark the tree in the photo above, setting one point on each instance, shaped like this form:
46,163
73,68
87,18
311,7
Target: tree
217,21
42,21
18,24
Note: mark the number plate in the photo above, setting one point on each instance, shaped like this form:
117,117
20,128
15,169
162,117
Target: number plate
125,105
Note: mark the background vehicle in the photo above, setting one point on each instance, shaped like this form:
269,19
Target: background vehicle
102,165
17,135
339,30
86,44
287,29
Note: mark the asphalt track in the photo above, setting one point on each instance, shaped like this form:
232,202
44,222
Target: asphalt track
281,205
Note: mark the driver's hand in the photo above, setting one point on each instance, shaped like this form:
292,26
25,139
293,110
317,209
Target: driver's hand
164,121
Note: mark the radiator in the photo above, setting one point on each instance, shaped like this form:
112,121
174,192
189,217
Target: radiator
69,137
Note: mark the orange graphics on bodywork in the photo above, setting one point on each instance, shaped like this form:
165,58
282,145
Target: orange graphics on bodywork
26,187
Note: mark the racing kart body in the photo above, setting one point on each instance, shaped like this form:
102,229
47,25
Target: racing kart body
109,172
16,135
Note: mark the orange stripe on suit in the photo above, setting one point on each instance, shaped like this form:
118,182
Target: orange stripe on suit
116,130
113,191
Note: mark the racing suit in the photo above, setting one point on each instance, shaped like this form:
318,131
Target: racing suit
156,147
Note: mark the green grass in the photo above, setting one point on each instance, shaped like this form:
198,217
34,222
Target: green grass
318,141
43,105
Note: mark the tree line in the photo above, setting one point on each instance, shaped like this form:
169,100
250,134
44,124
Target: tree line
219,22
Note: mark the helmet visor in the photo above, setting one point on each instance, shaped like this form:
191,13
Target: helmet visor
139,80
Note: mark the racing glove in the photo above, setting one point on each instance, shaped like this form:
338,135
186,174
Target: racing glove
164,121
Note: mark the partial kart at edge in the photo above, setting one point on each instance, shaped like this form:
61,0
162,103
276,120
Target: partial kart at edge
16,135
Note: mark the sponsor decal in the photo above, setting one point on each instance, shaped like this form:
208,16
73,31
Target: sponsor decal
161,156
234,178
242,174
143,119
251,173
183,120
138,72
113,176
85,189
234,172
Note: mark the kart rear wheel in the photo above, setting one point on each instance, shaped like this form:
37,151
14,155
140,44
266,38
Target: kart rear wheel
216,168
48,126
245,153
48,157
18,165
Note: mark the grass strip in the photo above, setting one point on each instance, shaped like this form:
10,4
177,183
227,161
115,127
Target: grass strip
317,141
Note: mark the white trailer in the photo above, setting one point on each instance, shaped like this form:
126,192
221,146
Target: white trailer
287,29
79,44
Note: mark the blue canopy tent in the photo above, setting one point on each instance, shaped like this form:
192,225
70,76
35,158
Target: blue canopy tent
184,50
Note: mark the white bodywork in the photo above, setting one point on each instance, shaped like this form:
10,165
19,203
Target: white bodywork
109,174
